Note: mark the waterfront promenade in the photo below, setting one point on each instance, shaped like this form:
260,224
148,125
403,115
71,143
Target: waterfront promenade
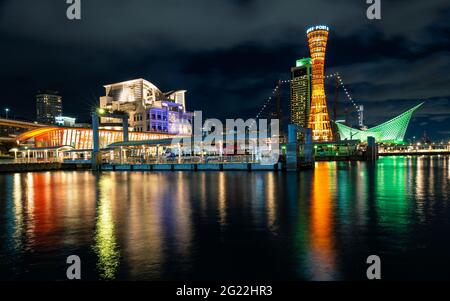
44,166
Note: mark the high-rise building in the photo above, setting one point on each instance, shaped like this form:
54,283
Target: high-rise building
150,109
301,94
48,106
319,120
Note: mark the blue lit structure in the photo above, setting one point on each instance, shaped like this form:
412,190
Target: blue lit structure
170,118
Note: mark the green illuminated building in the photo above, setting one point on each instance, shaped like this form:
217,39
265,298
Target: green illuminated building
301,93
392,131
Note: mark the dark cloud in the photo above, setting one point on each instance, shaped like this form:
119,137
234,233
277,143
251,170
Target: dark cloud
227,54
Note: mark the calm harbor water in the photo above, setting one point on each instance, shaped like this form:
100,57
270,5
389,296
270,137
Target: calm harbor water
315,225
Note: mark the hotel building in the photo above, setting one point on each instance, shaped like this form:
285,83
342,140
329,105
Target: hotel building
149,109
48,106
301,93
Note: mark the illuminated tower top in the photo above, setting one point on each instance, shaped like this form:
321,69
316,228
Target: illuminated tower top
317,40
317,27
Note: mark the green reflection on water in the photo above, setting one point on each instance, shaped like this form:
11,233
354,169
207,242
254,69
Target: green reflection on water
391,193
106,246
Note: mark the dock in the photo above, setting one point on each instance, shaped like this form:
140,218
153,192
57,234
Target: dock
192,167
44,166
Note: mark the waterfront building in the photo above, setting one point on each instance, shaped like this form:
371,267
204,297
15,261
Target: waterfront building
75,145
79,138
149,109
152,115
319,120
301,93
392,131
48,106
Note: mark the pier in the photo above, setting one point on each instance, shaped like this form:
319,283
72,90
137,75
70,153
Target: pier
192,167
44,166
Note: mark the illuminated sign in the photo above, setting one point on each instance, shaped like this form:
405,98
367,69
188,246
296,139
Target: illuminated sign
318,27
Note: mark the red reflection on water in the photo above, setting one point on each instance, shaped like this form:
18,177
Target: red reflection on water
50,204
321,227
44,199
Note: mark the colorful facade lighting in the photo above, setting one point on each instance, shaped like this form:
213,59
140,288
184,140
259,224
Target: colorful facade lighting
81,138
319,120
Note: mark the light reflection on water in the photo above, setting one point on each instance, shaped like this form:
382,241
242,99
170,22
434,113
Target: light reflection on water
322,262
317,225
105,245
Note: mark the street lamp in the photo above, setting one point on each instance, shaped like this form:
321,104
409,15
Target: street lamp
6,112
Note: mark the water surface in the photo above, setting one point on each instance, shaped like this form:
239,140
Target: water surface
314,225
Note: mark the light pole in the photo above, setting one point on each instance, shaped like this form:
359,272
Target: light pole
6,112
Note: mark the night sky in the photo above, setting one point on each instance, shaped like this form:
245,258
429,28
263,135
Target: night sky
228,54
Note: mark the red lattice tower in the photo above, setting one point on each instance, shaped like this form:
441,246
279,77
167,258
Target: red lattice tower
319,120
